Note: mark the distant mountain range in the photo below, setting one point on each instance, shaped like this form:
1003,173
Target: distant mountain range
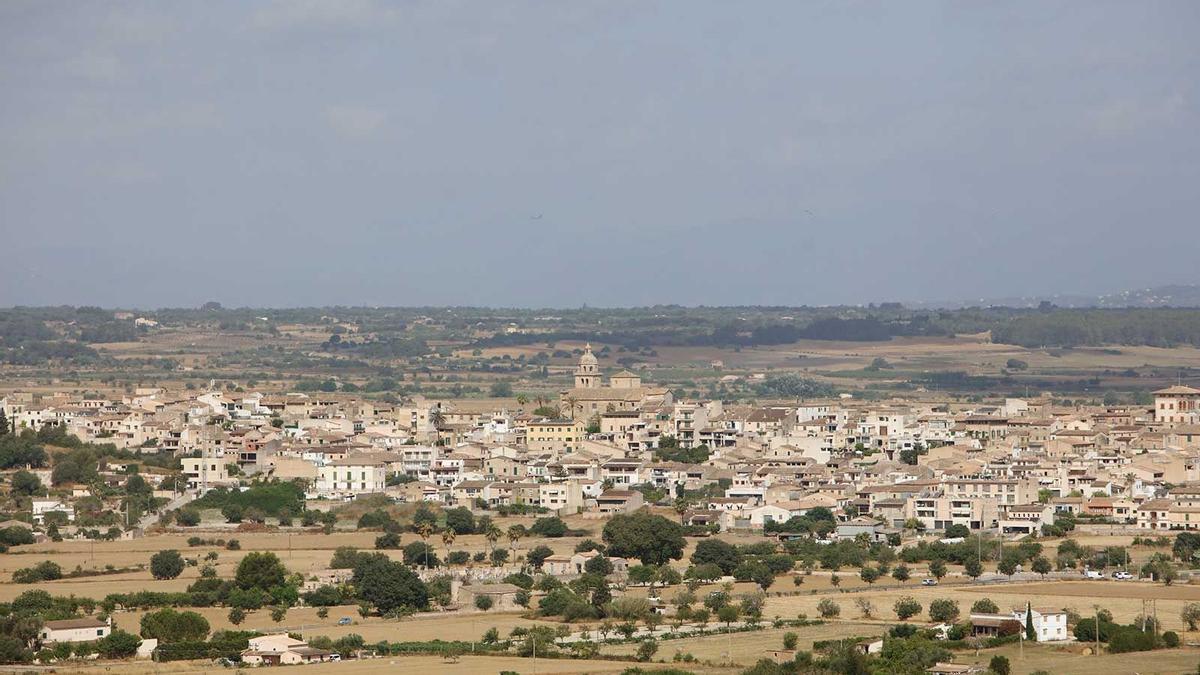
1160,296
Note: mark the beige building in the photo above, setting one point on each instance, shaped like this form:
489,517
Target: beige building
554,435
590,397
353,475
1177,405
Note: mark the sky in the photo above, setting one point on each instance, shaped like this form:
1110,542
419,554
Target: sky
615,153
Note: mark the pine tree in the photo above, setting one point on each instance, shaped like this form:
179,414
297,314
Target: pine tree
3,422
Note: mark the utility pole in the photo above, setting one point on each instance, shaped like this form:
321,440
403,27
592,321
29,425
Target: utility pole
1096,625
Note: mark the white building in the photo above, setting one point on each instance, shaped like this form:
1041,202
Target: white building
74,630
1050,625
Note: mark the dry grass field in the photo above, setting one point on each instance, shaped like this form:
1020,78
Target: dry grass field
412,665
746,648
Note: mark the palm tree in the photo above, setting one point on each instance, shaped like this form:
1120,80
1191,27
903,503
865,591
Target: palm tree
681,507
425,531
514,536
436,417
522,399
493,535
571,402
448,539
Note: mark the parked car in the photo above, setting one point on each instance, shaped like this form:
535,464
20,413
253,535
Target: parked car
1092,574
344,621
1122,575
929,582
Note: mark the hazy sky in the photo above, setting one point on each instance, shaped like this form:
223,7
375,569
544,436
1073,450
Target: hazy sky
612,153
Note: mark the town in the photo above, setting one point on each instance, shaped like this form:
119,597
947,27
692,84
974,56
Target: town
609,518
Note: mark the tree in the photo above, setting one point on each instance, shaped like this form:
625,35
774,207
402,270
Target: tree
1041,565
187,517
1191,615
425,531
1030,633
25,483
515,534
652,539
869,574
388,540
483,602
901,573
828,609
1000,665
420,553
260,569
973,567
646,650
166,564
232,513
460,520
169,626
388,585
985,606
906,608
116,645
728,614
937,567
549,527
537,555
865,607
943,610
599,565
237,615
717,552
789,640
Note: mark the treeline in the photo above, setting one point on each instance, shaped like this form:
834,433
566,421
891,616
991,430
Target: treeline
1094,327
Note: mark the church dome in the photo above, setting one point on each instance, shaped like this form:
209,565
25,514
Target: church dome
588,359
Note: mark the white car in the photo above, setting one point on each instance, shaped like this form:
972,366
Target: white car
1092,574
929,582
1122,575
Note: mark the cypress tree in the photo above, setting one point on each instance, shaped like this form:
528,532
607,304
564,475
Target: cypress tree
1030,633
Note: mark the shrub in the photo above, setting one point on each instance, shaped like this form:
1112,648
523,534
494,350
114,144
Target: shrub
985,606
906,608
1170,639
43,571
828,608
943,610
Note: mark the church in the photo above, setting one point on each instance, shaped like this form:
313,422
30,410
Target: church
624,391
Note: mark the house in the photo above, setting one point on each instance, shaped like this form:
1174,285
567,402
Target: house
354,475
503,596
562,565
1050,625
85,629
613,502
282,650
861,525
41,507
